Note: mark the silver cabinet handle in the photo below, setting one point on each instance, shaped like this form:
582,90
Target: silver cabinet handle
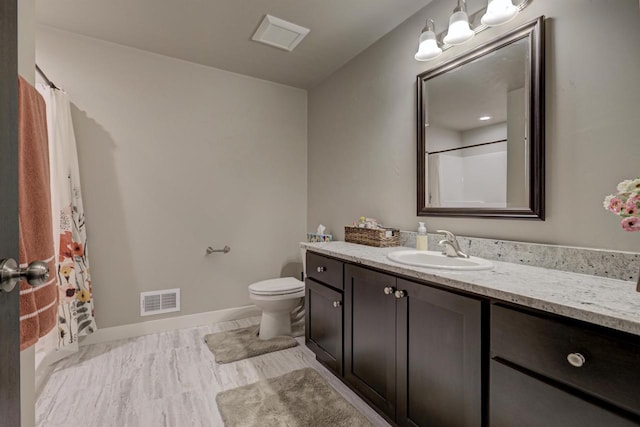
400,294
388,290
576,360
337,304
321,269
36,274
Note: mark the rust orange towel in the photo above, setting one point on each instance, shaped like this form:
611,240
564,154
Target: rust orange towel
38,306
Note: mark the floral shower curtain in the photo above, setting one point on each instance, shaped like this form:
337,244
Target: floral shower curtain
75,310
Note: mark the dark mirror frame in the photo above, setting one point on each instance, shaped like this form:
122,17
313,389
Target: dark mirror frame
533,30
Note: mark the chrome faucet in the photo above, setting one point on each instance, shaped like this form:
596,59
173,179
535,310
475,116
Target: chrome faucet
450,245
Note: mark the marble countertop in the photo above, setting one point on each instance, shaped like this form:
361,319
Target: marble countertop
602,301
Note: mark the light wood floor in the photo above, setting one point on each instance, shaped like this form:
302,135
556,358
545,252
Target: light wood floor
166,379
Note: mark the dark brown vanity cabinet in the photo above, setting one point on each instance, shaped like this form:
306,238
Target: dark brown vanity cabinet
324,310
412,350
424,356
555,372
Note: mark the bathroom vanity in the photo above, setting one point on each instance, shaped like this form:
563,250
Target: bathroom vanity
486,348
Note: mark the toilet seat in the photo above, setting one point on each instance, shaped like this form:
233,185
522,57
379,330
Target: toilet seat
281,286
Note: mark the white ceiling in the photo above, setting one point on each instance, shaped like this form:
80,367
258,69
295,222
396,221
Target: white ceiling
459,97
218,33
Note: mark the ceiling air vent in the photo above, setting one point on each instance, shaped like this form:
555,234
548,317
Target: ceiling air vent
279,33
158,302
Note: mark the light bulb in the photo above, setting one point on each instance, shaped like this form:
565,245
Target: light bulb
459,29
428,48
499,12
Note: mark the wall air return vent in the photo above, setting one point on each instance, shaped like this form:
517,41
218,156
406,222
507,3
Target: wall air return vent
158,302
279,33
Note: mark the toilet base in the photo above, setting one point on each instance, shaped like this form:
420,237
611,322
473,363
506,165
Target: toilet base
275,323
276,306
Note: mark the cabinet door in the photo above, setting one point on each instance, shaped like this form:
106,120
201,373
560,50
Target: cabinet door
323,324
370,336
520,400
439,358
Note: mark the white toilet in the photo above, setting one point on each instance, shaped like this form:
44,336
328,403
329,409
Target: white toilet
277,298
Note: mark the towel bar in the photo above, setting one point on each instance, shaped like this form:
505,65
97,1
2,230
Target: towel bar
225,250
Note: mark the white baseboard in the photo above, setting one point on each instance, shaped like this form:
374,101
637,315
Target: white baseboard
168,324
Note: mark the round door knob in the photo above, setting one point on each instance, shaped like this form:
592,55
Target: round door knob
400,294
36,274
576,359
388,290
321,269
337,304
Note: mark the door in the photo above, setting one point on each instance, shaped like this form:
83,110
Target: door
9,309
370,336
439,357
323,326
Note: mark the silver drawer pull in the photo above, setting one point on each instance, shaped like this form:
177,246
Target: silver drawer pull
576,359
321,269
389,290
337,304
400,294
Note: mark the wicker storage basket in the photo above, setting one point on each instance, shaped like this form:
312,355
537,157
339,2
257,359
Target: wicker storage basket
384,238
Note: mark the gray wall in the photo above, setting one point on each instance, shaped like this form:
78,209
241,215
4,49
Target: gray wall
175,157
27,39
362,127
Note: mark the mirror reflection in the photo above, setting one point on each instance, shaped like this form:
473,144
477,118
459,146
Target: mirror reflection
476,119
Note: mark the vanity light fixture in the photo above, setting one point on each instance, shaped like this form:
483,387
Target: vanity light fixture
484,118
428,48
463,27
459,29
499,12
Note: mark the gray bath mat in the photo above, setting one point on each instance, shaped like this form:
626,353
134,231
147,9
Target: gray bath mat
298,399
238,344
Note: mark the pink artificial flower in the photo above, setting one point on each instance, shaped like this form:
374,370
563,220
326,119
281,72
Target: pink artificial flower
630,208
631,224
615,205
634,198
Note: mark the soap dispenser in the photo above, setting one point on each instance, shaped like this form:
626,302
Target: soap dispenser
421,238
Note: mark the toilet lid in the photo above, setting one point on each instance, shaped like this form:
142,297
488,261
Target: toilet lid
284,285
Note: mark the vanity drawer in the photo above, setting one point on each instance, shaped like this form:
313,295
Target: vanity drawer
533,403
611,368
325,270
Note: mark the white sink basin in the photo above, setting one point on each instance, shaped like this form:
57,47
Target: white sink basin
433,259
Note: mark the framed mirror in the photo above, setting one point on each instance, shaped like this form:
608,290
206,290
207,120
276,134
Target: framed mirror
481,130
